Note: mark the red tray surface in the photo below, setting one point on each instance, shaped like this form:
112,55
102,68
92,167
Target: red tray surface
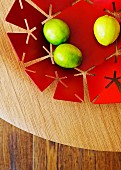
104,83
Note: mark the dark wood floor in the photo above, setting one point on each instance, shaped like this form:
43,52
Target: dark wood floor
22,151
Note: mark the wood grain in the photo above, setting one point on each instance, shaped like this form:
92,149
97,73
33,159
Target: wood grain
22,151
84,125
16,148
45,154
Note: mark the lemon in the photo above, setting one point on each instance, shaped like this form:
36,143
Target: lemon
67,56
106,29
56,31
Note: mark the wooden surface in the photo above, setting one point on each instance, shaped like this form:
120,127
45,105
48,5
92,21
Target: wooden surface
83,125
22,151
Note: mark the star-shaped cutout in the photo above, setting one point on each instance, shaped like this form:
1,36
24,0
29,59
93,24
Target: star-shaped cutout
115,80
48,16
58,79
50,55
23,65
84,74
29,31
115,13
116,54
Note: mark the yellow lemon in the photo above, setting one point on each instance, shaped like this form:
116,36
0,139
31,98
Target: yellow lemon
106,29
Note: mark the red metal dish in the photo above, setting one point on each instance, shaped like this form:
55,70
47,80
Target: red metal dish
37,60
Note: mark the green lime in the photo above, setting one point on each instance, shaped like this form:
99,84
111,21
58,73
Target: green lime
67,56
106,29
56,31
